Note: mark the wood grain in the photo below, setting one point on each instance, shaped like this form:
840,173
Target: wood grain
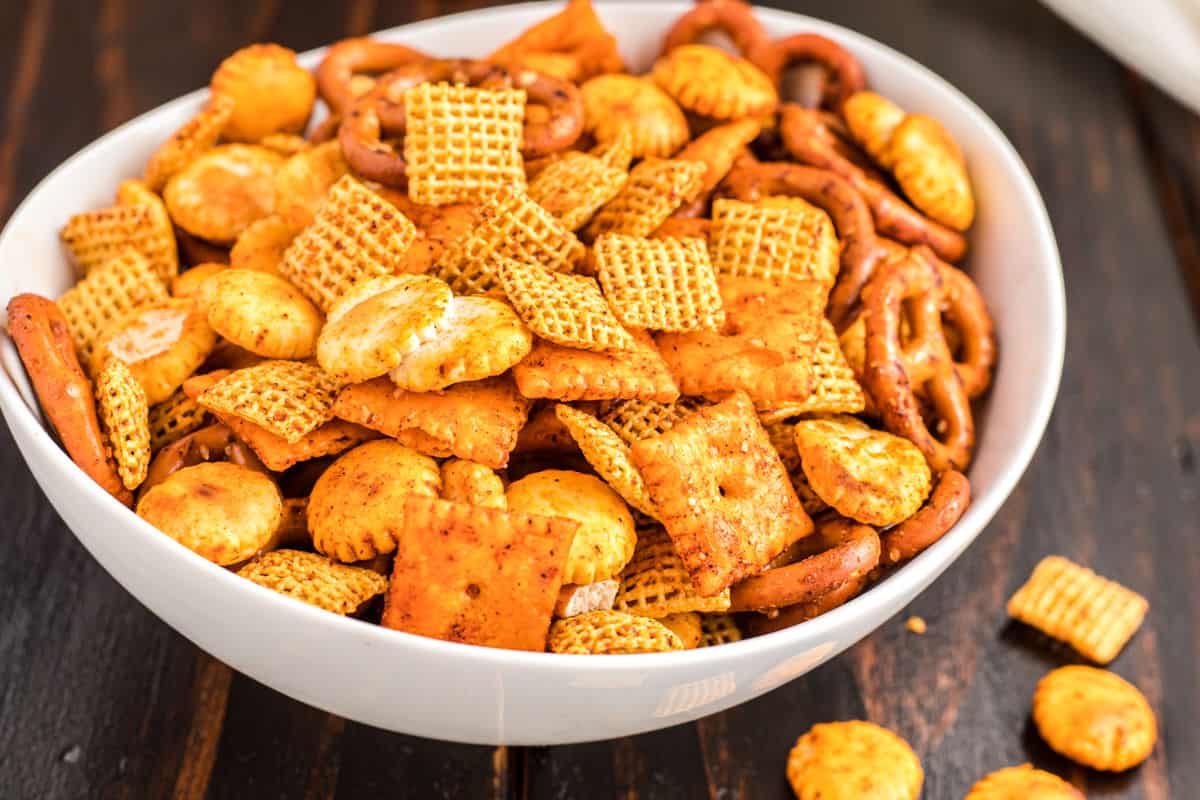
99,699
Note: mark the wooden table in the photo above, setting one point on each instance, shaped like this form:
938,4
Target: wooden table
100,699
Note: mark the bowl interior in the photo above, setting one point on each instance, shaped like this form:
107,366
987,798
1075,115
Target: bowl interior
1014,259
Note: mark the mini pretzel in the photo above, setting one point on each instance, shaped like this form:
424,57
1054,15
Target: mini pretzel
811,141
848,552
732,17
213,443
946,504
844,75
851,217
380,112
762,624
964,309
351,58
44,342
894,369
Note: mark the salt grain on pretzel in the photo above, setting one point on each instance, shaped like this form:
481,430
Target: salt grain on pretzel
623,105
478,421
565,309
458,577
287,398
605,538
1071,603
357,235
608,455
510,226
223,512
722,493
867,475
656,583
462,143
194,137
467,482
611,633
706,80
356,510
779,243
314,579
107,293
575,187
223,190
271,93
656,187
44,342
659,284
570,374
162,343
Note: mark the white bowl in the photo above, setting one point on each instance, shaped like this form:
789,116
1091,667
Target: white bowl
472,694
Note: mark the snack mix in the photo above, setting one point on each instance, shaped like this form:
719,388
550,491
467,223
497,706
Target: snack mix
536,352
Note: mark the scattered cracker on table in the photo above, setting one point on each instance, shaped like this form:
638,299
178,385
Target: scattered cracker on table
1094,717
461,143
775,243
356,235
106,293
314,579
1071,603
659,284
655,583
656,187
124,416
290,399
853,760
611,633
608,455
916,625
1018,783
722,493
511,226
565,309
567,373
457,575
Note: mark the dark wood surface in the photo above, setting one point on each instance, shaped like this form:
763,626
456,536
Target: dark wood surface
100,699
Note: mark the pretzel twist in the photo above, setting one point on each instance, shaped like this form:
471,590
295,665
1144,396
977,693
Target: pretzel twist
843,551
349,58
380,112
945,506
963,308
762,624
732,17
43,340
843,73
810,140
911,288
212,443
861,251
